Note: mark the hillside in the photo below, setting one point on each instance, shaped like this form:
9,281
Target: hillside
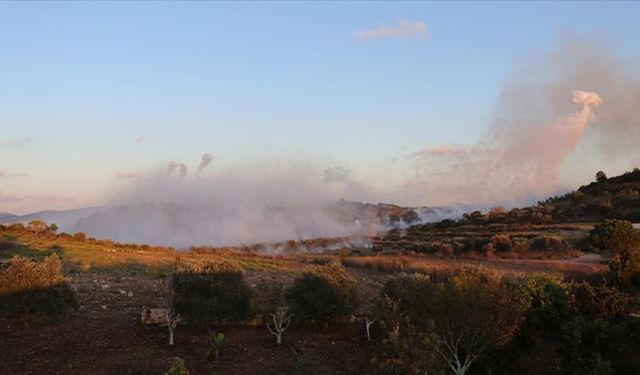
616,197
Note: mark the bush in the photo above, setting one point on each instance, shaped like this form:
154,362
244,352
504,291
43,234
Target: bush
599,302
598,347
502,243
407,348
471,312
30,288
211,293
550,301
546,242
615,235
80,236
623,240
177,368
322,294
409,292
216,342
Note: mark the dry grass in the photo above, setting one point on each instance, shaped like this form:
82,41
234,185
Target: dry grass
403,263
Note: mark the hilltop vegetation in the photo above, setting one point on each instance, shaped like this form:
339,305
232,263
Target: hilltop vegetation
606,198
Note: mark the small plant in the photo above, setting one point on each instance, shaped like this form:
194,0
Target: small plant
280,321
301,362
177,368
216,341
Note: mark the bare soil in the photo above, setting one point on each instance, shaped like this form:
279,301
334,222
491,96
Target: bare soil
104,336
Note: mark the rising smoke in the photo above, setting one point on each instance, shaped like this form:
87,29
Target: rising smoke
578,92
232,207
535,130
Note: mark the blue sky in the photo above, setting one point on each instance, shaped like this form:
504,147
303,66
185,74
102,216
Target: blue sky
80,82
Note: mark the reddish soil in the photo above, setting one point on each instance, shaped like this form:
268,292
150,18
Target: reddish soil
104,336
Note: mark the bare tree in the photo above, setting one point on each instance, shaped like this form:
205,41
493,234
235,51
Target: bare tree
173,318
281,320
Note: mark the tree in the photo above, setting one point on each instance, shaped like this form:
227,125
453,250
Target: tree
615,235
173,318
280,321
320,295
623,240
474,312
53,227
209,293
601,176
37,226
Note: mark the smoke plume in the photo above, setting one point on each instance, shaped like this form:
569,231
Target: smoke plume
535,129
206,160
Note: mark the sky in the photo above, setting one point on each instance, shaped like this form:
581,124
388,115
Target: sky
95,95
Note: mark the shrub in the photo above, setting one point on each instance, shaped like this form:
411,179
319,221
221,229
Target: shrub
177,368
599,302
322,294
550,304
216,342
615,235
624,242
406,347
472,312
410,294
502,242
547,242
598,347
214,292
80,236
30,288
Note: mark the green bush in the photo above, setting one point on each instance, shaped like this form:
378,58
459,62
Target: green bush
216,342
598,347
550,302
407,347
615,235
30,288
623,240
464,316
212,293
322,294
177,368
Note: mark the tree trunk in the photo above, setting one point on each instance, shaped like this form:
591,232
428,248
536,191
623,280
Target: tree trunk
170,336
279,339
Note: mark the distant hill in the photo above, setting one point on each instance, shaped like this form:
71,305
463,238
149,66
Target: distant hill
8,218
64,219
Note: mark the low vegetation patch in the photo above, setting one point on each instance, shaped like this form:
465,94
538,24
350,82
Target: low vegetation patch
30,288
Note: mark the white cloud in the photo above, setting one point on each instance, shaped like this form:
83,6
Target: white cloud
404,28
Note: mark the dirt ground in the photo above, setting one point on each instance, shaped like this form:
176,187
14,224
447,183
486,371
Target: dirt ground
104,336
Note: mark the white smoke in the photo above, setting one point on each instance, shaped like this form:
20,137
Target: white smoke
533,139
